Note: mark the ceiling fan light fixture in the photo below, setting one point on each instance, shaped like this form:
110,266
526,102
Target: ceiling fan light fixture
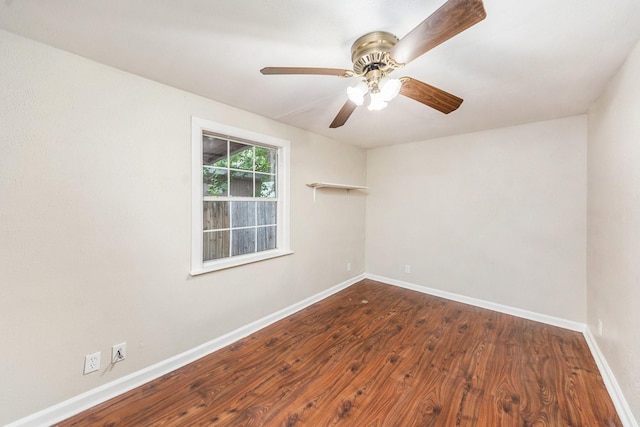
377,102
356,93
377,54
389,88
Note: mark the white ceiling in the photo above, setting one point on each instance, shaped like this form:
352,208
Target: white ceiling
527,61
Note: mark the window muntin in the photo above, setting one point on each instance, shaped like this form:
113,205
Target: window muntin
242,201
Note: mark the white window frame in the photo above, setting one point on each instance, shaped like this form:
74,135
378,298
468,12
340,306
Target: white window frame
200,126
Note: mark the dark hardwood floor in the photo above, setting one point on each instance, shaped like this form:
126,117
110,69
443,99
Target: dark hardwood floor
379,355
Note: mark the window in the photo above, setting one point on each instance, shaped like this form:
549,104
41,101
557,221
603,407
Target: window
240,197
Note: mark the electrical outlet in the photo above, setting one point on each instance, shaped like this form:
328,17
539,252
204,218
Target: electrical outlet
92,362
118,352
348,266
407,268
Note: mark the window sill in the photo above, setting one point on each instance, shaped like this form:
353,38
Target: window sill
238,261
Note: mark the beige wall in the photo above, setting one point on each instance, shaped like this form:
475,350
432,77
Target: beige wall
95,225
95,222
614,226
498,215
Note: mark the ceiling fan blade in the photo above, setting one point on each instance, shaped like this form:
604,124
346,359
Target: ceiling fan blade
343,114
429,95
452,18
307,70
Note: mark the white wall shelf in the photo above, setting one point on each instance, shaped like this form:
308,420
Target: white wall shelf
348,187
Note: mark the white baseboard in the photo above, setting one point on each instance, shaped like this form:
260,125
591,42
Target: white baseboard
77,404
112,389
525,314
624,411
620,403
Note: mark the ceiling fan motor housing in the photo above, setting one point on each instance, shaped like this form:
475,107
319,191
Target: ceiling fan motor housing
370,52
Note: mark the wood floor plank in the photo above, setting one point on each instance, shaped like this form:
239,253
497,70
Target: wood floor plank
377,355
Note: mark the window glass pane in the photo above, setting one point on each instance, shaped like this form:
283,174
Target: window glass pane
215,215
214,151
266,159
266,238
241,184
241,156
214,181
244,241
265,185
215,245
266,213
244,214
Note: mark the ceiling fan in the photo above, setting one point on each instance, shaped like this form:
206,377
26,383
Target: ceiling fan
377,54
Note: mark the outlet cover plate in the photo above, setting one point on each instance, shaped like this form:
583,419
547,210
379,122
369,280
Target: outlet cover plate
118,352
92,362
